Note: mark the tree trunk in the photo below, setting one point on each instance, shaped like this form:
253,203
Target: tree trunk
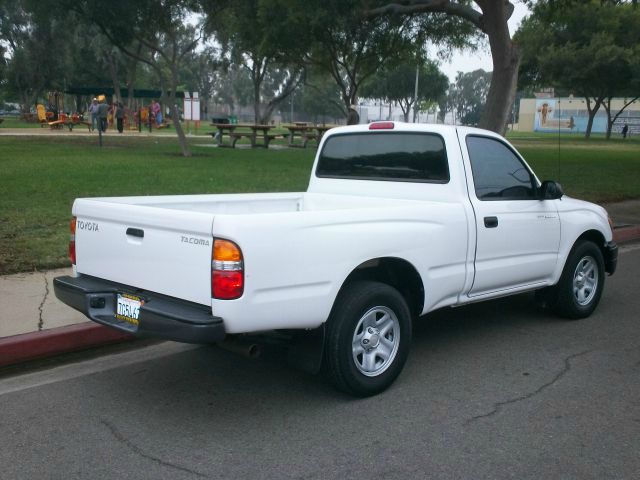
611,120
131,78
587,132
607,107
505,56
592,114
28,100
175,116
132,71
290,85
405,111
256,103
112,62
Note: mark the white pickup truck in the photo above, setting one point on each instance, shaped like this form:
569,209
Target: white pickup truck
398,220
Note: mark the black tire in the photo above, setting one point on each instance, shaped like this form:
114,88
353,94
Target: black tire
367,313
580,287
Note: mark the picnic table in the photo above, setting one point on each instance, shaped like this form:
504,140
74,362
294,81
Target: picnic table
258,135
220,132
305,133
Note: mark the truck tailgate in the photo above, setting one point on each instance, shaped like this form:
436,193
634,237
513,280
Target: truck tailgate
158,249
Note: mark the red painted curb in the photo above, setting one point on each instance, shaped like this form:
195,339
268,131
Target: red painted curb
46,343
626,234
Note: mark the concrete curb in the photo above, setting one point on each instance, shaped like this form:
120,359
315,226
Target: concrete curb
56,341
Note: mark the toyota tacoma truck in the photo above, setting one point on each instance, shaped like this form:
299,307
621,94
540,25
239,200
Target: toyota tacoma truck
398,220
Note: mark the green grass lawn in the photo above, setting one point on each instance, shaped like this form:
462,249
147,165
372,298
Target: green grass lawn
595,169
41,176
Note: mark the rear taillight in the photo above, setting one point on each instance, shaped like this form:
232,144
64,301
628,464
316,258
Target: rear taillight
72,241
227,271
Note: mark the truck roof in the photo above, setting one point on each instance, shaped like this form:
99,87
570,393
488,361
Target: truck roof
380,126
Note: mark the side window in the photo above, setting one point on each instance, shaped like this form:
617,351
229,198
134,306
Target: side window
498,174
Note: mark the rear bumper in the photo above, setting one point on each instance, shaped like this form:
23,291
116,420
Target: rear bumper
160,316
610,257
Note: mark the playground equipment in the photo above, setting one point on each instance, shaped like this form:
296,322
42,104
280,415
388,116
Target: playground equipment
55,117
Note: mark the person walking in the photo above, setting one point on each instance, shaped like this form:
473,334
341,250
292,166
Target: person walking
625,130
120,116
103,109
93,113
156,111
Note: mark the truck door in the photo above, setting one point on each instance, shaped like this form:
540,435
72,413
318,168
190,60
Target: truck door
518,235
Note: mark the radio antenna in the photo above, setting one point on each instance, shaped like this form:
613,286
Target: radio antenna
559,138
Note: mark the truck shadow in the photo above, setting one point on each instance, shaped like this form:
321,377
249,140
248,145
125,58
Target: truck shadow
209,378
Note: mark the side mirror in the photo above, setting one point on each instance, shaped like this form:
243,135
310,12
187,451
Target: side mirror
550,190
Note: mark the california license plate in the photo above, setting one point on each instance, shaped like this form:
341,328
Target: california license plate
128,308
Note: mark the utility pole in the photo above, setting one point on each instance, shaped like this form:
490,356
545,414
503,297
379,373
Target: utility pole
415,95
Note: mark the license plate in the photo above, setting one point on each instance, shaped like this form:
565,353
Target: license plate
128,308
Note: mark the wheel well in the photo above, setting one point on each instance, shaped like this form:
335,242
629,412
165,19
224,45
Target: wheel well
396,273
594,236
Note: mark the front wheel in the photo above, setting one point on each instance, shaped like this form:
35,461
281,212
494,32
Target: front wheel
368,338
578,292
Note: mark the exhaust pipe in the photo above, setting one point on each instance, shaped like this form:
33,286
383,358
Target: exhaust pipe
244,348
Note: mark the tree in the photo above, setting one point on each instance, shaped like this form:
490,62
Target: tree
246,30
161,27
198,73
319,97
398,85
596,63
332,36
491,19
469,95
30,37
446,103
232,86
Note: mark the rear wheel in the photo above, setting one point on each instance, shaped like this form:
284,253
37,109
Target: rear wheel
578,292
368,338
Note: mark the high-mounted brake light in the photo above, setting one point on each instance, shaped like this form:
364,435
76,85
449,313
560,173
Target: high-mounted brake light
227,271
381,126
72,241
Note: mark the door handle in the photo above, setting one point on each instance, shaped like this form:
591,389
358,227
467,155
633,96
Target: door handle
491,222
135,232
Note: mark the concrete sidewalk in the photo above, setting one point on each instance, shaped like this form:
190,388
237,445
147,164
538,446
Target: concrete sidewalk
34,324
29,305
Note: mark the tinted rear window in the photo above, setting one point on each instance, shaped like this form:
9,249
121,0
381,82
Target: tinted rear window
409,157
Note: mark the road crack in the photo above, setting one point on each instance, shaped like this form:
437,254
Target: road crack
41,306
497,407
132,446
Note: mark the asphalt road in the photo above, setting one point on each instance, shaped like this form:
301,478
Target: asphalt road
495,390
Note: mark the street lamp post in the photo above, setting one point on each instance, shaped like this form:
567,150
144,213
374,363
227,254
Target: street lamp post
415,95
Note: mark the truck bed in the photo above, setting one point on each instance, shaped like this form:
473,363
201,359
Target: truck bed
173,255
